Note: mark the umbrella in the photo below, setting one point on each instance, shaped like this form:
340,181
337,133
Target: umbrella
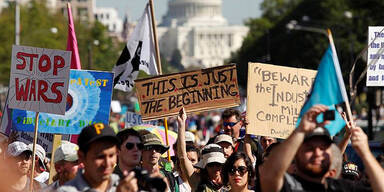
159,131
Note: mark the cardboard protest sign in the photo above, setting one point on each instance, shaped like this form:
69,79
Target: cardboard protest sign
275,95
375,71
88,102
132,119
39,79
199,90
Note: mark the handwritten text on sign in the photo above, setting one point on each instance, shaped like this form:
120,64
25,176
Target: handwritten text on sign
375,71
39,79
199,90
275,97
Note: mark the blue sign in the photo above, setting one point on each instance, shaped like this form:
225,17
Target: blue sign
88,102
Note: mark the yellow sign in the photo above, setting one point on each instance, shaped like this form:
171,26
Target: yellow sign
199,90
275,95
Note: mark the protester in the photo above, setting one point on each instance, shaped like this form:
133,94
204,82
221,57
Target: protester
266,141
41,173
153,148
232,122
225,141
310,145
98,153
20,156
129,150
237,172
209,178
66,165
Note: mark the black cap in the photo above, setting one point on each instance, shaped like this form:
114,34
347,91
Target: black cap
319,132
95,132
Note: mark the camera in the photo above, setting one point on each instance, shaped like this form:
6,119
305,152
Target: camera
147,183
329,115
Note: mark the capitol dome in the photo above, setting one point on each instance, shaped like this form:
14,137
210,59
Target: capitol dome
194,13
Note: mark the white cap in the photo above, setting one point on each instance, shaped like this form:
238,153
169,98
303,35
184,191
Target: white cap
40,152
16,148
224,138
189,136
67,152
211,153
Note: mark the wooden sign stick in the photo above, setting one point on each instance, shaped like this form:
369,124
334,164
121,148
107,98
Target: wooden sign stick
34,152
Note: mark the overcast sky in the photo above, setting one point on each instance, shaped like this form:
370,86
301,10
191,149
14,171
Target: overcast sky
235,11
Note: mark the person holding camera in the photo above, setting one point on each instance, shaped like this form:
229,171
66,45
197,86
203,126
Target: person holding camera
98,153
310,146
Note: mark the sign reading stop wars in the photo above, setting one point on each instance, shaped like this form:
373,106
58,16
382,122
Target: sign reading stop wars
39,79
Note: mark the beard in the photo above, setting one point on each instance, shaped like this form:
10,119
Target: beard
312,170
67,175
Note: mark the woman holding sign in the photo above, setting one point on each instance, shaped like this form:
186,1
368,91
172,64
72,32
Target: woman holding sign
208,177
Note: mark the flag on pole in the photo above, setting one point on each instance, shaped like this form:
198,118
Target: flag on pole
328,89
138,54
72,41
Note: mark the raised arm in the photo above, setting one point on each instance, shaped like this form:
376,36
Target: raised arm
272,171
185,164
373,169
347,135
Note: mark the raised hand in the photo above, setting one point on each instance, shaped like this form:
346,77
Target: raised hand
308,121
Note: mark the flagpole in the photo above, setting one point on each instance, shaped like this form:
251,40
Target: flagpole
347,105
34,151
158,62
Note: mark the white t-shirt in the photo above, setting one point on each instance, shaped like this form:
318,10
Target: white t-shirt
43,177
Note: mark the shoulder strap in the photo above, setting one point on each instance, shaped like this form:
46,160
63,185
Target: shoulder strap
171,179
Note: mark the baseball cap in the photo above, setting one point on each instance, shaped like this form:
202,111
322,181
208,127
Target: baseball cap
67,151
95,132
211,153
16,148
189,137
151,139
224,138
319,132
40,152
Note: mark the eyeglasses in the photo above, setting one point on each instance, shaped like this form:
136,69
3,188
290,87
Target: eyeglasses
231,124
130,146
242,170
157,148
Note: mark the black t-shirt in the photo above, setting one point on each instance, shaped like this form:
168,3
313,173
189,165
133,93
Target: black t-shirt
293,183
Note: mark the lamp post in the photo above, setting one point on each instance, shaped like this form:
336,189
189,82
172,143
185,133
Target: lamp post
90,45
293,25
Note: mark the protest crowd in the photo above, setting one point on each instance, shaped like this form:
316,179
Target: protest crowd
214,147
308,160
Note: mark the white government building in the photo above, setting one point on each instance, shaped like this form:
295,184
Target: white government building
199,31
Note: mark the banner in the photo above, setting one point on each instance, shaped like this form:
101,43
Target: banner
132,119
375,71
138,54
39,79
275,95
199,90
88,102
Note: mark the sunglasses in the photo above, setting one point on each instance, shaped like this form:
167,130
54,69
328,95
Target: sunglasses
157,148
231,124
130,146
241,169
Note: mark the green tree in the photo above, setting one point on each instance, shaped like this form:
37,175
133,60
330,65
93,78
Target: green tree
268,34
176,60
42,28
